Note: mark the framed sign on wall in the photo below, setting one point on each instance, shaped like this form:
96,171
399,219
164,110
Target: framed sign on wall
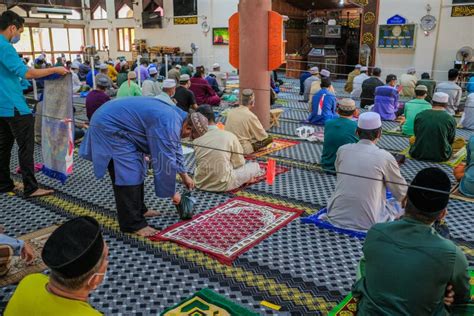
397,36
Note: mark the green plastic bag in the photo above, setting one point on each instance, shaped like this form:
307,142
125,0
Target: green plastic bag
186,207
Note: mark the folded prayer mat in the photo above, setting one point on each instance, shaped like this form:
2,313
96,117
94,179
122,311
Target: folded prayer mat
276,145
57,128
317,219
207,302
278,170
456,158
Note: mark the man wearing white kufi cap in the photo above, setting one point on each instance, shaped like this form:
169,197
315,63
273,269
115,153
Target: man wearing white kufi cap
151,87
308,82
365,172
357,83
169,89
221,77
435,132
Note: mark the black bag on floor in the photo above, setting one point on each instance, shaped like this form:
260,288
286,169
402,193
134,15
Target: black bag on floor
186,207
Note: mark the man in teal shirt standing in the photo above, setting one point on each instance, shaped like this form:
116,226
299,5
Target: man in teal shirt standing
413,107
16,121
338,132
408,268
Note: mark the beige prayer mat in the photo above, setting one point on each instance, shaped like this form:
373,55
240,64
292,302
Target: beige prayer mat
19,268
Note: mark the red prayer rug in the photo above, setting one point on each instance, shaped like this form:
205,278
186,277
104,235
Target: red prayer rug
276,145
278,170
230,229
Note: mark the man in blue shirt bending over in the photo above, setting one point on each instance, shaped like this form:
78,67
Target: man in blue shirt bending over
16,121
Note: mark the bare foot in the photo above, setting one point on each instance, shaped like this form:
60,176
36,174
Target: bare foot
41,192
18,187
151,213
146,232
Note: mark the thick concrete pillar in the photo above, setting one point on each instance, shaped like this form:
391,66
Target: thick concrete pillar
253,60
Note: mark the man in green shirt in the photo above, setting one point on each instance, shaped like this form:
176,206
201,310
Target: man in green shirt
430,84
413,107
338,132
435,131
129,88
77,257
408,268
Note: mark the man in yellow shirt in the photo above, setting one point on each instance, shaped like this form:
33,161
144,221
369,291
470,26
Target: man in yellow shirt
112,71
220,163
77,257
245,125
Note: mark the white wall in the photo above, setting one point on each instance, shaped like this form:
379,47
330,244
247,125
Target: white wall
430,56
217,13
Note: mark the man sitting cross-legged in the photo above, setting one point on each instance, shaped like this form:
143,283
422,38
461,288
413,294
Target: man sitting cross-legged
435,131
364,174
220,163
408,268
77,257
339,132
246,126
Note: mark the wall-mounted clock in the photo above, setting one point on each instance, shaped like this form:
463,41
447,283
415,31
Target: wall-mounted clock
428,23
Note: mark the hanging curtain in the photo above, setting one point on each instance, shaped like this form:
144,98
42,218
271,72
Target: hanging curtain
120,3
96,3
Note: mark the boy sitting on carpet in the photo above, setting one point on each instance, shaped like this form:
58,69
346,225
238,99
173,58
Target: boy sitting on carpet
435,131
246,126
364,174
339,132
75,273
220,163
408,269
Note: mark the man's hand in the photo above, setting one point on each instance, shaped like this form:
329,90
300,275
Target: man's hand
60,71
176,198
187,181
27,253
449,295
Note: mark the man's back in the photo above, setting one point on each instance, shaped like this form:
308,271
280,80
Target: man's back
368,91
407,269
337,132
435,132
454,91
357,85
246,126
214,166
185,98
412,108
32,298
358,203
386,102
408,83
430,84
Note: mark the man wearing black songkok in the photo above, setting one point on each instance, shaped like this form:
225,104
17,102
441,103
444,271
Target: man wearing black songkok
77,258
408,268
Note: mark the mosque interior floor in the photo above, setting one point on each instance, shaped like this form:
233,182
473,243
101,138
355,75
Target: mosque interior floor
303,269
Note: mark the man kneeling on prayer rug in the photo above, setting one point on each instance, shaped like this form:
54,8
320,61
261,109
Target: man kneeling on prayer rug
364,174
408,268
220,162
435,132
122,132
244,124
77,258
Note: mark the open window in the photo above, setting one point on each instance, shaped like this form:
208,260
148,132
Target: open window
124,9
99,9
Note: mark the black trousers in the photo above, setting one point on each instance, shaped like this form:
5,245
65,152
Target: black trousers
22,129
130,200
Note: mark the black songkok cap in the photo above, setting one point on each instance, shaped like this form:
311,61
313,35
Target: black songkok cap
74,248
430,201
